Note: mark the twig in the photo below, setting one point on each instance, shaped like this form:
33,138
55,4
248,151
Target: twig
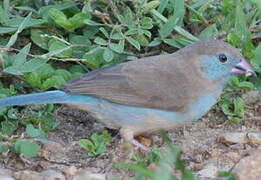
114,8
202,18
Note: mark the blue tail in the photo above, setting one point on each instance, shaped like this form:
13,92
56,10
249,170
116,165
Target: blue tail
49,97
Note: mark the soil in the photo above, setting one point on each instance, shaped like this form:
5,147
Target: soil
203,151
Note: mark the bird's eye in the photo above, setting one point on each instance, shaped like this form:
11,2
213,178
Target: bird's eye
222,58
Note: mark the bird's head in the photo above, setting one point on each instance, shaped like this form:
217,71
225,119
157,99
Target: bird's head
221,61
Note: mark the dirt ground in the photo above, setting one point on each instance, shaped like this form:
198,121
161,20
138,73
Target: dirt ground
204,149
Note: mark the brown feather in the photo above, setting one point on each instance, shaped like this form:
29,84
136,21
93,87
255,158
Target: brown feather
168,82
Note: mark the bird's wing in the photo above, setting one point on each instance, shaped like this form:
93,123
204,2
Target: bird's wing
154,82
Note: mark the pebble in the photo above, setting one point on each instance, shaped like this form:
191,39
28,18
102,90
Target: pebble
241,138
52,175
249,168
87,175
210,171
5,174
28,175
251,97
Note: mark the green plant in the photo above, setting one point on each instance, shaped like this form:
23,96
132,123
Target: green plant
227,175
97,145
168,160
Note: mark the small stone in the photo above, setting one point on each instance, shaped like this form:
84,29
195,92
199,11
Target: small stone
53,151
6,177
196,166
233,138
71,171
86,175
251,97
233,156
215,153
145,141
254,138
28,175
5,172
153,167
210,171
52,175
249,167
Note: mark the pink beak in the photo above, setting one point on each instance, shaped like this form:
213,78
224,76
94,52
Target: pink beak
243,67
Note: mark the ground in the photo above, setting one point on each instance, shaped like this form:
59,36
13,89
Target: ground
205,145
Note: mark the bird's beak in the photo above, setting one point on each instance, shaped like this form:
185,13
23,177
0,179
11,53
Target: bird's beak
243,68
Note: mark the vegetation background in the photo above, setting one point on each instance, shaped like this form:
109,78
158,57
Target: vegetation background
45,43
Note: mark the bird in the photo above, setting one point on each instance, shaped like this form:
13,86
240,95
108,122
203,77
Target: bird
153,93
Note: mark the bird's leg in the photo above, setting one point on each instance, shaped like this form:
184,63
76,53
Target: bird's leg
128,135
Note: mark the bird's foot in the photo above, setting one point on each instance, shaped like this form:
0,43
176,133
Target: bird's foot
128,136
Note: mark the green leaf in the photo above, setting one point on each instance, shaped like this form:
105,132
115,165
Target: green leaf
239,106
179,11
257,57
227,175
227,7
4,30
117,47
54,81
258,3
178,42
168,27
14,70
234,39
65,5
100,41
105,33
150,6
32,65
8,127
117,36
27,148
94,58
34,133
3,16
162,6
131,32
173,42
77,21
20,58
16,22
127,18
37,36
133,42
108,55
226,108
79,39
63,73
234,119
145,172
175,20
146,23
12,113
60,18
240,23
246,85
58,48
142,40
34,80
210,32
86,144
185,33
92,23
3,148
155,42
21,27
